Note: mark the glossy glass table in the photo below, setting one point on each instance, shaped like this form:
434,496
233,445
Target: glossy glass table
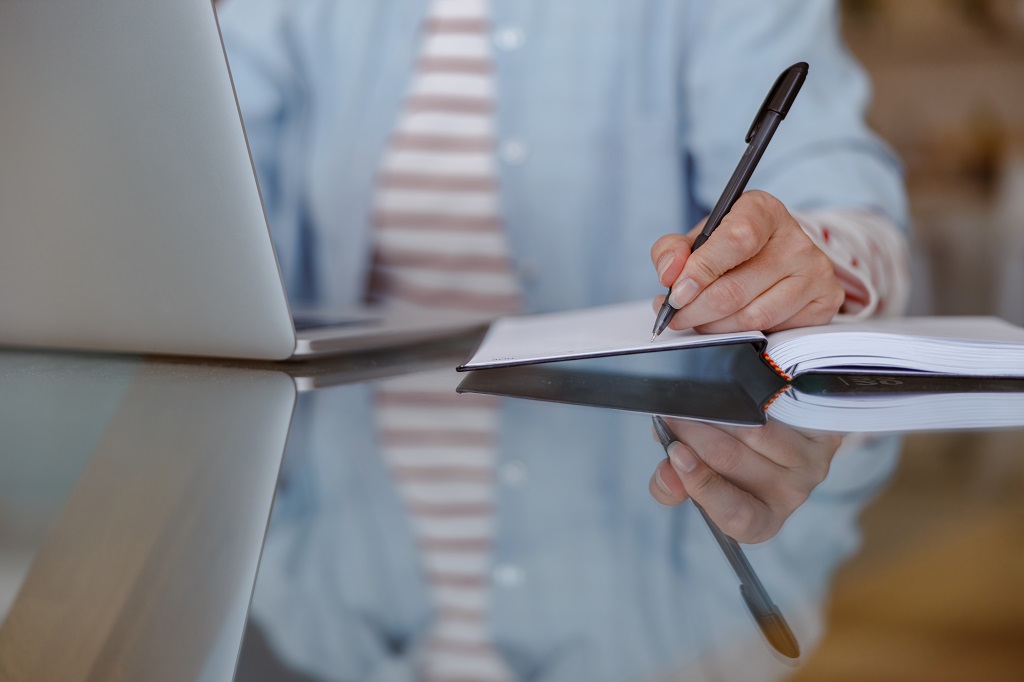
360,519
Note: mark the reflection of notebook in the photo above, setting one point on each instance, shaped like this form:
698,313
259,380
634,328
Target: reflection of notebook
963,346
749,393
130,216
862,402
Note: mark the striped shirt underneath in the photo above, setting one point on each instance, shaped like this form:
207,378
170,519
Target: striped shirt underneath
439,243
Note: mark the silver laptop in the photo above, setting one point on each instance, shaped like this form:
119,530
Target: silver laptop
130,215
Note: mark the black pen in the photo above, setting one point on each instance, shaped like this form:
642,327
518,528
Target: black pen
774,108
767,615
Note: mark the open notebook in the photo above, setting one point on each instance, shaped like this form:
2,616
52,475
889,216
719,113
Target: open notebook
746,392
949,346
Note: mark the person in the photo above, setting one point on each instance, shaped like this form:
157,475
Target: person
528,156
589,131
588,578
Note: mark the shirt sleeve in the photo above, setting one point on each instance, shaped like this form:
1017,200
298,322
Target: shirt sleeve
869,255
823,154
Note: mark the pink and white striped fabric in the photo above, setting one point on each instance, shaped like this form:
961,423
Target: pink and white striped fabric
439,243
441,450
869,257
439,236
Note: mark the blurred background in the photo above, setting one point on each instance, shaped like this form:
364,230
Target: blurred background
949,97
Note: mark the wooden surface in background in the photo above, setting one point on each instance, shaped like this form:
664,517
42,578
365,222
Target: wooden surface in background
937,592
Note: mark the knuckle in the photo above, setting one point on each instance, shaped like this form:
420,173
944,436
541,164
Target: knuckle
739,521
726,296
703,269
764,439
828,303
819,469
705,484
792,497
763,199
756,197
726,459
756,317
767,203
823,267
743,237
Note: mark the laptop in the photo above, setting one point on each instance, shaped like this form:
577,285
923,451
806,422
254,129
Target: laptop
130,214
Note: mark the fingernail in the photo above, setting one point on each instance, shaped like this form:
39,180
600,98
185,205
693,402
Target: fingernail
683,293
660,483
682,457
664,262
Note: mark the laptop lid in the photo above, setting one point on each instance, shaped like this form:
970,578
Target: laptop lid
130,216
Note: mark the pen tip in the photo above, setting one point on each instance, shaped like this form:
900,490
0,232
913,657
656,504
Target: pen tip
654,336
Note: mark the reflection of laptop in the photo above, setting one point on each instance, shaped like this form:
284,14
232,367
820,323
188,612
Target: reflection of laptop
130,217
157,482
166,468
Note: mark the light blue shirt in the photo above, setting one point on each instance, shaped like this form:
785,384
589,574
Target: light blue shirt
613,585
632,116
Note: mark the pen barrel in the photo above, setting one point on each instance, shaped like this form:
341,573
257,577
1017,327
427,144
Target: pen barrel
741,176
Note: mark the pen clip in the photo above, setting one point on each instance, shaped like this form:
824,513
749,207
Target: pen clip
780,98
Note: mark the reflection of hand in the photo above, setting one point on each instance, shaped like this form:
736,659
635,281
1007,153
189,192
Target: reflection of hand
758,271
748,479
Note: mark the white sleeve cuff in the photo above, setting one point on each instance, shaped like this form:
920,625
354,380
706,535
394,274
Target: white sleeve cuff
869,255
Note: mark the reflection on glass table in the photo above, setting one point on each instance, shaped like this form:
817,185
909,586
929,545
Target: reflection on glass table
420,534
733,387
133,500
732,492
750,479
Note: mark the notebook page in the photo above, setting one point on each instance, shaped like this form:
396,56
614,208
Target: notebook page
898,412
981,346
594,332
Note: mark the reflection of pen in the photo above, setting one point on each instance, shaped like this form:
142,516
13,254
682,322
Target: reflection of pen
760,605
775,107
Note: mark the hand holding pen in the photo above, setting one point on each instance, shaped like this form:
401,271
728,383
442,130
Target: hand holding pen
728,502
759,270
750,480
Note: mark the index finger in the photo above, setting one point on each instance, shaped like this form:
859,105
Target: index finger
741,235
669,255
737,512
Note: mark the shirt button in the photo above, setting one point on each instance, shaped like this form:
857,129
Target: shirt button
513,151
509,38
509,575
513,473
